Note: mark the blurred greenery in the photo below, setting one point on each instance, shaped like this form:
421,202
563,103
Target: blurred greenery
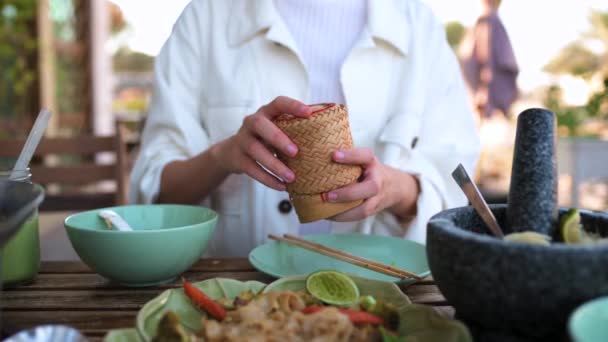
72,64
570,119
71,83
62,14
574,59
126,60
137,104
579,58
455,32
131,68
17,58
71,71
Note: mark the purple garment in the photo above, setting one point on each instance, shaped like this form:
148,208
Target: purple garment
502,89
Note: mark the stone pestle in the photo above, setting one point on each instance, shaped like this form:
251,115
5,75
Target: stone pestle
532,201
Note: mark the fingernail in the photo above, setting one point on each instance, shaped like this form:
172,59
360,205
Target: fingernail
289,176
332,196
339,155
291,149
304,109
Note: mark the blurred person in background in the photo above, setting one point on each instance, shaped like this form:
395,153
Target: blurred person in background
489,65
230,67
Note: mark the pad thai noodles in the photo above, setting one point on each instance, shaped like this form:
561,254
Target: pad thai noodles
282,316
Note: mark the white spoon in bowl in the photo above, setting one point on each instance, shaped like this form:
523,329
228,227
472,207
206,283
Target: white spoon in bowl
113,219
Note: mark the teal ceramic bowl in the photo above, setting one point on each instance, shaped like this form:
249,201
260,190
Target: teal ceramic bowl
589,322
166,241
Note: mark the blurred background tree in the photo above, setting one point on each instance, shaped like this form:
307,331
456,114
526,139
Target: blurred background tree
455,32
587,57
18,62
133,71
126,60
72,49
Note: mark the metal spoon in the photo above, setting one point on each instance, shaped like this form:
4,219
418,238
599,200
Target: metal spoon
469,188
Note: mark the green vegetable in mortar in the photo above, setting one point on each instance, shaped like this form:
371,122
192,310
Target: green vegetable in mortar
529,237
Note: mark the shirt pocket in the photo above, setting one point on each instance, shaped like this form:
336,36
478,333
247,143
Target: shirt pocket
399,138
224,121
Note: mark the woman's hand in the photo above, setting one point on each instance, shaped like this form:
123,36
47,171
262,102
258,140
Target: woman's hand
191,180
381,187
253,143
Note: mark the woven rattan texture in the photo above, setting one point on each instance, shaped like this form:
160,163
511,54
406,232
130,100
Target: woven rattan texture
317,138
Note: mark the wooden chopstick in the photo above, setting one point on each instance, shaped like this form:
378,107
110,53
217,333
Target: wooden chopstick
340,255
402,272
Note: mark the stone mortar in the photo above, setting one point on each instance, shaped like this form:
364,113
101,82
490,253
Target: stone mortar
522,290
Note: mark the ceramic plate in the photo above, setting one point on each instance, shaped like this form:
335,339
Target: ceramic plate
122,335
279,259
418,322
589,322
175,299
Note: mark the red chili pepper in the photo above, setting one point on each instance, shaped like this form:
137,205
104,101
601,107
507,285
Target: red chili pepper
362,317
311,309
355,316
200,299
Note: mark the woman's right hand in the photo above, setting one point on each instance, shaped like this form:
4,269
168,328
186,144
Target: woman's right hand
252,144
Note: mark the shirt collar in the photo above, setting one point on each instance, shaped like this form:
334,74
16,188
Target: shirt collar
241,28
385,22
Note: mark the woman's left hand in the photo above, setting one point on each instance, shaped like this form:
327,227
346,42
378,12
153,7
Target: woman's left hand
381,187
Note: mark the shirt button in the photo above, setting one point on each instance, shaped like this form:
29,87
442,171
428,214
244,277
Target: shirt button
284,206
414,142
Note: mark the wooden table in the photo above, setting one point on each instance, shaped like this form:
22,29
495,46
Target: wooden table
70,293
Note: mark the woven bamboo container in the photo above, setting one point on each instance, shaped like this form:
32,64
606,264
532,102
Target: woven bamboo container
318,137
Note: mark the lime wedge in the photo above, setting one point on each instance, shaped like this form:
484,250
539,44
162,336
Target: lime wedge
571,229
332,287
529,237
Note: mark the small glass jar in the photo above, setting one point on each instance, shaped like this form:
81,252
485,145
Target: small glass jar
20,257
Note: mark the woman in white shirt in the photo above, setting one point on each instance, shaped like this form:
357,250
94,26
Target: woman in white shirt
230,66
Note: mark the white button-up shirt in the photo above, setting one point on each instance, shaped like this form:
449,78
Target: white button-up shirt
225,59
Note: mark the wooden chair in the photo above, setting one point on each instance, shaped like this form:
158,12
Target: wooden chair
72,178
